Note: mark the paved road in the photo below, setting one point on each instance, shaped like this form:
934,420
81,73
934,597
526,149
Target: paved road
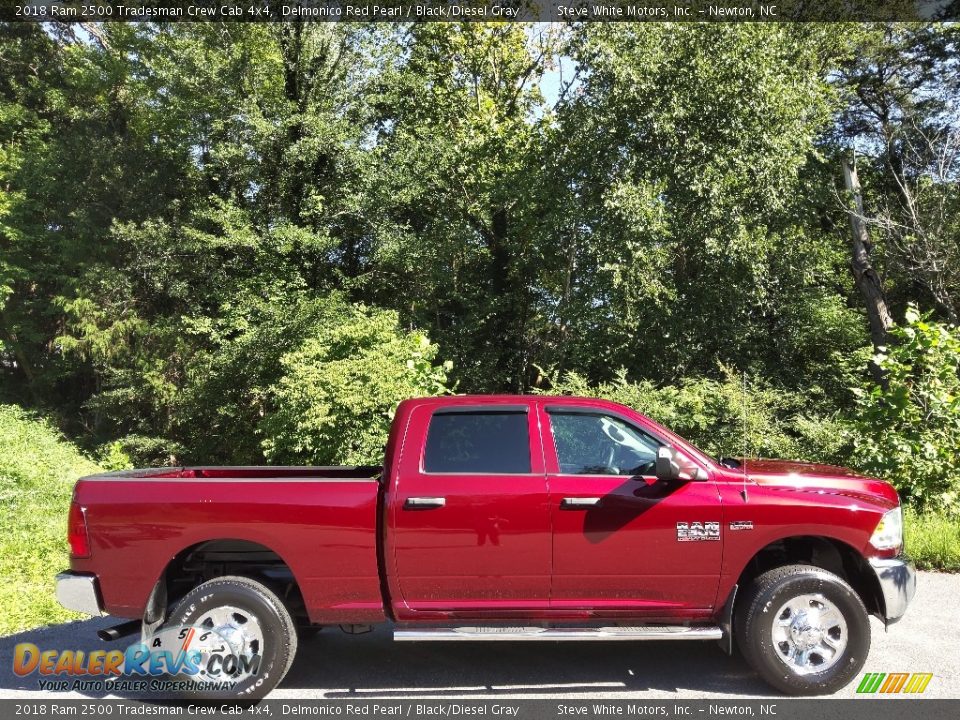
334,665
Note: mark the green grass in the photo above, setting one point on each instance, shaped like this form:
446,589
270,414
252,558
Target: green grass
933,540
37,470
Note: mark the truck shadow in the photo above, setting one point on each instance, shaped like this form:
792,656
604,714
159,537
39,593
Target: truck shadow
375,666
334,665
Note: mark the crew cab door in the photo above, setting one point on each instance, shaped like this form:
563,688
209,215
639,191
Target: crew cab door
470,528
624,542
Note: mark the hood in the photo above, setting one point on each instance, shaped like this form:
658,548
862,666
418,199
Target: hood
794,475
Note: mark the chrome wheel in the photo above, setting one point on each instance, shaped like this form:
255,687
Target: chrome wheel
809,634
227,631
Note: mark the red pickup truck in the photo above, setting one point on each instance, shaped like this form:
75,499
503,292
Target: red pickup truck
513,518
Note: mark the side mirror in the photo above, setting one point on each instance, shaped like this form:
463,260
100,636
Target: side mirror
667,468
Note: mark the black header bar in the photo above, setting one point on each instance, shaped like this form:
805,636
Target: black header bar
77,11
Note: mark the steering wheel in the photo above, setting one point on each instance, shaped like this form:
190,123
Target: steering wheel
612,431
611,456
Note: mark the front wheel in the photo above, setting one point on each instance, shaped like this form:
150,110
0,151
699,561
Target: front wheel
240,636
803,629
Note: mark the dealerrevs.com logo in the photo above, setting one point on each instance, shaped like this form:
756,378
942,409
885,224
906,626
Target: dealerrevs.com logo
889,683
177,659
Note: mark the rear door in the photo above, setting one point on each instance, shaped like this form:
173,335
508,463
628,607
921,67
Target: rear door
470,519
623,542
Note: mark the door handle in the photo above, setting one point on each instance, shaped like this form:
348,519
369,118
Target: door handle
424,503
579,503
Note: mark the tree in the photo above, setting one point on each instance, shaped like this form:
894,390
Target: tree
866,278
461,144
691,235
901,84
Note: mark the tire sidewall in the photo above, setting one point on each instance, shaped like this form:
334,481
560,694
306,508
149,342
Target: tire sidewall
764,656
275,651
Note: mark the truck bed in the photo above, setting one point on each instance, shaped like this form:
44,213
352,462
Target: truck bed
320,522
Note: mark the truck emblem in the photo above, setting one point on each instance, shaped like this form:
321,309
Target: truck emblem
697,531
741,525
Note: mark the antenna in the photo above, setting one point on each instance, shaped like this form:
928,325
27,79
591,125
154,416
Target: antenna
743,462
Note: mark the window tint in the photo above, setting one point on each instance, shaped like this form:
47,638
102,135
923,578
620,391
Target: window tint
491,442
601,445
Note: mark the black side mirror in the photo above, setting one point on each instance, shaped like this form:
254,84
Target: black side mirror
667,468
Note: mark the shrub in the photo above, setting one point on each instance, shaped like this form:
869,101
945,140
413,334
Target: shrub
909,426
339,390
112,456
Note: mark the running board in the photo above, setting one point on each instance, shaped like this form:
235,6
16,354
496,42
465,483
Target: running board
494,632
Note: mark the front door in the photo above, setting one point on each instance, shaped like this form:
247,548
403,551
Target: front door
624,542
471,523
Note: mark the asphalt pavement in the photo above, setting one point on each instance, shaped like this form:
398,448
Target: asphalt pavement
335,665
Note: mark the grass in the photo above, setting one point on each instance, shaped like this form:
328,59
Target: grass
933,540
37,470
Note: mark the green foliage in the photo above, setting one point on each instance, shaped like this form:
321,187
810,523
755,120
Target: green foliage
723,420
112,457
339,390
37,471
687,240
462,140
190,213
910,423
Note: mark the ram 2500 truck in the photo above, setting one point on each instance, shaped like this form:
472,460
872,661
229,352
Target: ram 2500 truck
498,518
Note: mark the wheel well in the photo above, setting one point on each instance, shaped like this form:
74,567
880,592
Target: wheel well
826,553
216,558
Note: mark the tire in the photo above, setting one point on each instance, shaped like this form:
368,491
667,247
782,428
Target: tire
246,613
789,622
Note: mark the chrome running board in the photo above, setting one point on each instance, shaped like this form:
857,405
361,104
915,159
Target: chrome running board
497,632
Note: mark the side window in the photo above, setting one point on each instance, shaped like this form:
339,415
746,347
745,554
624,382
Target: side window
601,445
478,442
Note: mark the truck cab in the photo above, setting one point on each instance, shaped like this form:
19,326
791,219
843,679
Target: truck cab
549,507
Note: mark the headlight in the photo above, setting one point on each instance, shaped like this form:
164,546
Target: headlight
889,532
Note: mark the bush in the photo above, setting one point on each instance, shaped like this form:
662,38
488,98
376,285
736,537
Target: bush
112,456
713,414
339,390
37,471
909,426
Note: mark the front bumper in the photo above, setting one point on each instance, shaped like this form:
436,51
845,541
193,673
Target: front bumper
897,578
79,592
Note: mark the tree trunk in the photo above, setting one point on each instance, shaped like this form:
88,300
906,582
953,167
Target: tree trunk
508,326
866,278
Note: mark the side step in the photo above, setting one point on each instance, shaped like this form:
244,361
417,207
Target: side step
496,632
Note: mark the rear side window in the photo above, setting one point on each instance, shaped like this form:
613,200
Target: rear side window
478,442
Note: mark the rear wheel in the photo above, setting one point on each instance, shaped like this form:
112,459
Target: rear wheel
803,629
242,634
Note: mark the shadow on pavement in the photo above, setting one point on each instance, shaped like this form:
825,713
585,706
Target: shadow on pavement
374,666
334,665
